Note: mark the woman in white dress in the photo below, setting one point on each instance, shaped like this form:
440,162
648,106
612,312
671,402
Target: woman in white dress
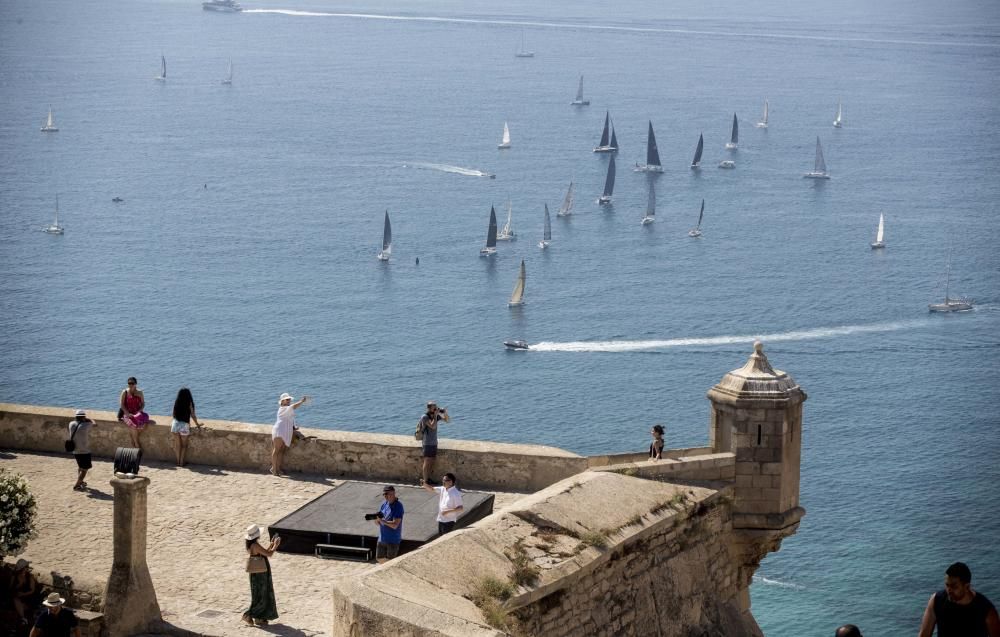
281,433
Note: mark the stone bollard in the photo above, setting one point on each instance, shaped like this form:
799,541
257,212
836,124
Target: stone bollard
130,605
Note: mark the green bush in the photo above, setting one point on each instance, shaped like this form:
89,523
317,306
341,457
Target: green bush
17,514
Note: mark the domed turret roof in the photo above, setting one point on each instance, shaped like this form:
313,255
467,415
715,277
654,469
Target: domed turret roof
757,380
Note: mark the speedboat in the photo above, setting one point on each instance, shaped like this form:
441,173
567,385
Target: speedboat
117,200
223,6
727,163
515,345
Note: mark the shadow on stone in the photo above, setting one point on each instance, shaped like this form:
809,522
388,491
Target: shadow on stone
99,495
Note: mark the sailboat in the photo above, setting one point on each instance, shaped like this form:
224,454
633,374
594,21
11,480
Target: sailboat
517,296
763,122
734,139
566,209
652,164
521,52
505,139
950,304
879,235
696,162
546,230
819,168
838,121
50,126
609,143
507,232
491,236
650,216
386,250
229,78
54,228
609,183
162,77
696,231
578,100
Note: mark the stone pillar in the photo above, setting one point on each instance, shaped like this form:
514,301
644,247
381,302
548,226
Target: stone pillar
130,605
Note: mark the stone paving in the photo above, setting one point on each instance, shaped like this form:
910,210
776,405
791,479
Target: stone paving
195,548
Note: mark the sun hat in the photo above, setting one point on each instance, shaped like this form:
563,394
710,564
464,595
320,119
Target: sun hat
20,564
53,600
253,532
432,403
285,396
81,413
387,488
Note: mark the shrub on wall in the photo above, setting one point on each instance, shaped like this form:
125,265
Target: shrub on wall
17,513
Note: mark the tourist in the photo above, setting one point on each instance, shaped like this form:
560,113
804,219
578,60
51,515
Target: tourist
429,445
959,611
449,502
55,621
656,447
283,430
263,608
181,427
25,591
79,433
848,630
131,404
390,526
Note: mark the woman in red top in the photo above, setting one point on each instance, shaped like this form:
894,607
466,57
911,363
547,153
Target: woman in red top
131,404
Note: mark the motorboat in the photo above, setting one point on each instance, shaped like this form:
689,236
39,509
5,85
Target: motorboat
117,200
222,6
727,163
515,345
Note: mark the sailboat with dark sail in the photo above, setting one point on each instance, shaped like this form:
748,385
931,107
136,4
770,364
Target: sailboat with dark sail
696,162
652,164
609,184
650,215
734,138
546,230
491,236
696,231
609,142
578,100
386,250
162,77
819,167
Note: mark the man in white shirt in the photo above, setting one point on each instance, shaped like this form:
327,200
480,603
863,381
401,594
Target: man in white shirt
449,502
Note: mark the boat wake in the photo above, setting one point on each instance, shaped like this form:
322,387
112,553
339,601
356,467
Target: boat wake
708,341
446,168
760,579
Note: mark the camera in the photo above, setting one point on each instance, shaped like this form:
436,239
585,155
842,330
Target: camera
374,516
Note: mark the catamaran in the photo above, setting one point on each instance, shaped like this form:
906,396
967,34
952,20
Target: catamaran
650,215
54,227
609,143
162,77
50,126
505,139
838,121
546,230
819,168
521,52
734,139
763,122
696,162
491,236
696,231
578,100
652,164
950,304
879,235
566,209
229,78
507,233
517,296
609,183
386,250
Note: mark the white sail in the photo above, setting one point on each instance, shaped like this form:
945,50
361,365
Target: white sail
505,139
763,121
578,100
517,296
507,232
50,126
838,121
522,52
650,206
163,69
55,228
567,205
229,76
881,228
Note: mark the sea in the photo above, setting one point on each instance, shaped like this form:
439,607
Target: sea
241,262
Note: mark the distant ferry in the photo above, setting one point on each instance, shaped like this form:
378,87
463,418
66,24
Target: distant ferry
225,6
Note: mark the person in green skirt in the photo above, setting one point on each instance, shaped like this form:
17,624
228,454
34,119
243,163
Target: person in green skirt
263,608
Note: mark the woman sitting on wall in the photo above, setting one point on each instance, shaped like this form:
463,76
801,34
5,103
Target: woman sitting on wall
130,410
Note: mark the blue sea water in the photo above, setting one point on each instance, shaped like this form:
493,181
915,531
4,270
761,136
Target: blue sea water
242,262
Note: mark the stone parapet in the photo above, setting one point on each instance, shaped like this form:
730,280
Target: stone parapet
709,466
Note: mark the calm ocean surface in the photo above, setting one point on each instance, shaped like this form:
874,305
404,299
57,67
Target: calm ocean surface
266,280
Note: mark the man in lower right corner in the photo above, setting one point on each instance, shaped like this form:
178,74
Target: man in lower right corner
959,611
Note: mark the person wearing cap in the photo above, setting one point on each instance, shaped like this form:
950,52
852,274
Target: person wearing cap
283,430
79,433
263,608
429,445
55,621
390,526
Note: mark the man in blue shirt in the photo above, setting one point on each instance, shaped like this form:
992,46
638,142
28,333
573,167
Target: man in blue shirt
390,526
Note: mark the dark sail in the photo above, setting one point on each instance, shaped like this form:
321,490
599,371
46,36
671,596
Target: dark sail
702,213
609,183
491,235
614,139
652,153
604,135
736,130
386,232
697,152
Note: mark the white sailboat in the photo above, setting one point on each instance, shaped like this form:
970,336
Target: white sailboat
517,296
386,250
505,139
734,138
696,162
507,232
951,305
763,122
609,142
50,125
609,184
838,121
546,230
54,227
162,77
491,236
229,78
819,167
578,100
652,164
650,215
696,231
522,52
880,234
566,209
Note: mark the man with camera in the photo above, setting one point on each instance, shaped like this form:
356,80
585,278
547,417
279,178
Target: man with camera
389,520
429,424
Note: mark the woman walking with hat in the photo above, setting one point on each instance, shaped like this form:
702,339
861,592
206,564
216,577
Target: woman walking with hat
263,608
56,621
283,430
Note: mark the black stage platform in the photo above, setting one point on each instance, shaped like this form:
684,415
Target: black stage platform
338,518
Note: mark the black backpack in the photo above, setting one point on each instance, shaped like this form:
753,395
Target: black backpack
71,444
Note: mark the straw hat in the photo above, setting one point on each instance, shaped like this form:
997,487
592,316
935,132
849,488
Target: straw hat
53,600
285,396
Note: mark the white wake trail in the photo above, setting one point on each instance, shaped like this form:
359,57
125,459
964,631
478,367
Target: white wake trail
648,345
447,168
